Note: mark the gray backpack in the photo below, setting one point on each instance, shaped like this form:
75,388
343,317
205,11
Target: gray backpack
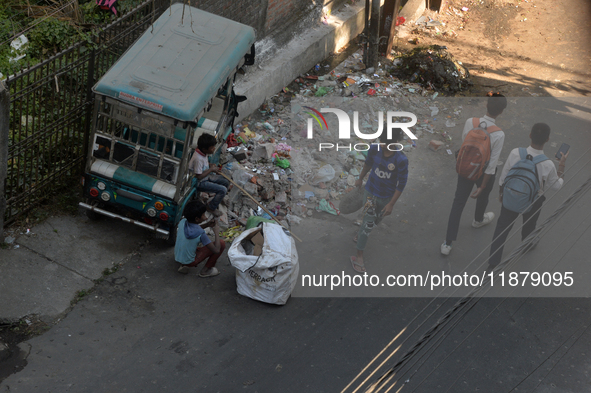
522,183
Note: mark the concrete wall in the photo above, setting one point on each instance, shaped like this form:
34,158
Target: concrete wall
267,16
300,54
413,9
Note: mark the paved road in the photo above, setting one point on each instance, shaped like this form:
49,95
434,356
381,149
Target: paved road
146,328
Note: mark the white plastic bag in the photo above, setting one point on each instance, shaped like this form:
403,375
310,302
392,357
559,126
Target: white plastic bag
241,177
272,276
326,173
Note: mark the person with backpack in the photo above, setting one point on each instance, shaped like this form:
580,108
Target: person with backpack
526,175
476,166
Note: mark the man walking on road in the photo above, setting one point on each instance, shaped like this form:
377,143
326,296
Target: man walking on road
388,173
548,178
495,106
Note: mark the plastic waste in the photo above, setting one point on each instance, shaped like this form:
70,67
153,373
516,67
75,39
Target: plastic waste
18,44
358,155
241,177
293,219
269,127
328,207
282,162
253,221
325,174
322,91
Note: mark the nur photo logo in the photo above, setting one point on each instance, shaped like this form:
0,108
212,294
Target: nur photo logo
393,121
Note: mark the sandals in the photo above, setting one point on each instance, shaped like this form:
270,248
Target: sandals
212,273
356,266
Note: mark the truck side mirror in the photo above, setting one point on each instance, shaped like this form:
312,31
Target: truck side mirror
249,57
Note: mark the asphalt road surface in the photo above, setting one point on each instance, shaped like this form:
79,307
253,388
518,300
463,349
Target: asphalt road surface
147,328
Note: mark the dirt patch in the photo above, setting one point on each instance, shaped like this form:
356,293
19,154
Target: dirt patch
518,47
496,17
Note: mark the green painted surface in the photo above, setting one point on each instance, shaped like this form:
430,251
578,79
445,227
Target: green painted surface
136,179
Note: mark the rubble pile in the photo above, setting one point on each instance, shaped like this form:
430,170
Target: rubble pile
432,66
270,156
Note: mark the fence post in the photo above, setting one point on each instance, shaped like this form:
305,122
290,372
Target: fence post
89,102
4,119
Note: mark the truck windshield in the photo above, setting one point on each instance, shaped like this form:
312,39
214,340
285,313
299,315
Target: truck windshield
138,140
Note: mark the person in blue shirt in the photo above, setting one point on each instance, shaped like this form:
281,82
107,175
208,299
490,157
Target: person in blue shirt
388,173
193,245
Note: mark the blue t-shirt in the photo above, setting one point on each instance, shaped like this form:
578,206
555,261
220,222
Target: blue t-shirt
185,247
387,174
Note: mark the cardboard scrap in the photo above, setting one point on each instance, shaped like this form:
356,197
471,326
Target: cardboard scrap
257,239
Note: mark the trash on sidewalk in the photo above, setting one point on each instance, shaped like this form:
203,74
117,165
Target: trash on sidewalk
254,221
275,164
281,162
433,66
322,91
229,234
328,207
435,145
326,173
427,22
266,262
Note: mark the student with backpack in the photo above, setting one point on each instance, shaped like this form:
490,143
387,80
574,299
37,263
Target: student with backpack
476,165
526,175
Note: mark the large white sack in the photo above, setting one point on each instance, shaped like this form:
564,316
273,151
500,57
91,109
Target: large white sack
272,276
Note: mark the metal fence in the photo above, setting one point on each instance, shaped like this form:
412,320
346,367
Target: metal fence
51,109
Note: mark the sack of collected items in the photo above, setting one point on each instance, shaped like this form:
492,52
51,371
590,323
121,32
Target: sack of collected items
266,262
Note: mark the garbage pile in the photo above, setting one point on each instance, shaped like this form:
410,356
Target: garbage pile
434,67
271,158
352,78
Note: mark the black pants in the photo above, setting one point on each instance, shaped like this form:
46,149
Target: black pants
504,225
463,191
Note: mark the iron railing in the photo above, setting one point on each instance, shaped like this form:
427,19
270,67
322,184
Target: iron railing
51,109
